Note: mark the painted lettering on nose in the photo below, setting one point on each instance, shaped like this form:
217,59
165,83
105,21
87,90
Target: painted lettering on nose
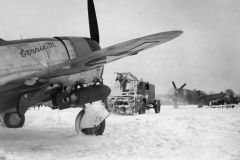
37,49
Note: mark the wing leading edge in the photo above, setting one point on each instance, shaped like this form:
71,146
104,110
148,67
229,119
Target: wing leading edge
103,56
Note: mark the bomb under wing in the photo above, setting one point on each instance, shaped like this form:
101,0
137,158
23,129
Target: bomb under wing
82,96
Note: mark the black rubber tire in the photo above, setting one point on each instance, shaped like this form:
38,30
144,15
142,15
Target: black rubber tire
157,106
98,130
142,110
2,120
200,105
6,120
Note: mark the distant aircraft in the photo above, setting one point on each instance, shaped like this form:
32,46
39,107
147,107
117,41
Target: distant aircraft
193,96
65,70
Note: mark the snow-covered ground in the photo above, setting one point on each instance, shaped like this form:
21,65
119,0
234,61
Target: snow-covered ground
186,133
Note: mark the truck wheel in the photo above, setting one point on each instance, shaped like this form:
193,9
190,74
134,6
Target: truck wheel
98,130
157,107
142,109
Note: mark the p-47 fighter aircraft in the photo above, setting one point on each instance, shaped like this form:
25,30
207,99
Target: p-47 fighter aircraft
65,70
193,96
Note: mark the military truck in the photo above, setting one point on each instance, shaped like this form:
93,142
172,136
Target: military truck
130,95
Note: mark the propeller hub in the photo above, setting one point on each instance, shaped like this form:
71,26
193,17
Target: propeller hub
178,90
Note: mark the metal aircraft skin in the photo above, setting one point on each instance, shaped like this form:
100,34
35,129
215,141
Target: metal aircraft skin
193,96
65,70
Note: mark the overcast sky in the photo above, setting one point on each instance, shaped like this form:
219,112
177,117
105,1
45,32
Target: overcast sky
206,56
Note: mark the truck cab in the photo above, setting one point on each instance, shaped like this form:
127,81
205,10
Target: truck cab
130,95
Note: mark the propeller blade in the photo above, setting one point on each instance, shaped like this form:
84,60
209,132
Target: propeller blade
93,24
174,85
182,86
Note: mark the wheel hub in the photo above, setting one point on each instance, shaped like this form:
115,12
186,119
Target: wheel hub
92,131
14,119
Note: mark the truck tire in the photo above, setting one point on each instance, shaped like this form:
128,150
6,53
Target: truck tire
157,106
142,109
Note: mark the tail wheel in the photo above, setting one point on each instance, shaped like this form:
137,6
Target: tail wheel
157,107
12,120
98,130
142,109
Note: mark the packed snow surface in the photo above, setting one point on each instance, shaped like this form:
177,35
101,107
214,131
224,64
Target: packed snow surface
185,133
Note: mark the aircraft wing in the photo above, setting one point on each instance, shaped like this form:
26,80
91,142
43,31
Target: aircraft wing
212,96
100,57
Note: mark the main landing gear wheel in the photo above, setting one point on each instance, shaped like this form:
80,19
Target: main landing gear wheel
12,120
157,106
98,130
142,110
200,105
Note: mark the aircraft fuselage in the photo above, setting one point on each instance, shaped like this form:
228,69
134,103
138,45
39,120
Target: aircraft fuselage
190,96
24,57
21,58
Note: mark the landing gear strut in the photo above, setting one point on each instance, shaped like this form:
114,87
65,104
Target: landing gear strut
12,120
175,105
200,105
